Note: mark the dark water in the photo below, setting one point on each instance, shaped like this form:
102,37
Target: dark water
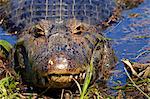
125,43
10,38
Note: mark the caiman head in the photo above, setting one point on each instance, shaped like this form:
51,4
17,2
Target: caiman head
55,54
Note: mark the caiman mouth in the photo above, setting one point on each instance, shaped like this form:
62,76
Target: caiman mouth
61,78
63,69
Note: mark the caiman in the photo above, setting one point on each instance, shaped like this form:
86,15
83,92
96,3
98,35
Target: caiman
57,40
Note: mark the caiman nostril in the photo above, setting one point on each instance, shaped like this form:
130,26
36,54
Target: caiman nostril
59,62
62,63
50,62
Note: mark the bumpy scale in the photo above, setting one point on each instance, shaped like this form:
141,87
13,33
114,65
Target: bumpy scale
57,38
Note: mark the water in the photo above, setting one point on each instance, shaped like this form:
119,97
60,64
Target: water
8,37
124,42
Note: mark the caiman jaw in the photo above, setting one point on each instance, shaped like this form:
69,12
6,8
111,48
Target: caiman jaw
63,69
66,77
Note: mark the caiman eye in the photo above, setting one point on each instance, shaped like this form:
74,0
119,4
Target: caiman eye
79,29
38,31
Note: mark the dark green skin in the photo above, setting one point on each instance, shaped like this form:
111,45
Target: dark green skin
77,47
49,51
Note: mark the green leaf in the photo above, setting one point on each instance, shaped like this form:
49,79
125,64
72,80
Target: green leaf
6,45
89,74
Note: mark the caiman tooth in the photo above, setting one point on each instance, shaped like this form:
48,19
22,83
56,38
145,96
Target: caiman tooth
80,75
1,21
76,77
50,62
71,76
70,79
84,74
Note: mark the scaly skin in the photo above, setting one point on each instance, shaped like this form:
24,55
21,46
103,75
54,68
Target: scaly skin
46,53
52,50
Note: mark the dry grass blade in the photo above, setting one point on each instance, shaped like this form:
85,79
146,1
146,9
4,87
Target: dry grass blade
142,54
139,70
78,85
128,63
62,94
135,84
147,72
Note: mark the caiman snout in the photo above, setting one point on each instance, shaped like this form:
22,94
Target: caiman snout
61,64
61,68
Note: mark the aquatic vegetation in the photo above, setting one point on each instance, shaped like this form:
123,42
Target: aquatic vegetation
128,4
139,70
138,81
138,87
142,37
